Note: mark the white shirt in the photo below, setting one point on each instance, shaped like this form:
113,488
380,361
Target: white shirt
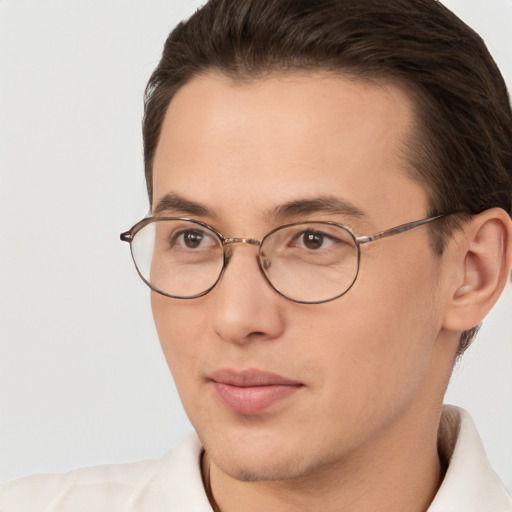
173,483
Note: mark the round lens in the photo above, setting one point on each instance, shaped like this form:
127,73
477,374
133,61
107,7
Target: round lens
179,258
310,262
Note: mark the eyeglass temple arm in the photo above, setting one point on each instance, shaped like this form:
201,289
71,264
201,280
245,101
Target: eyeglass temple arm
399,229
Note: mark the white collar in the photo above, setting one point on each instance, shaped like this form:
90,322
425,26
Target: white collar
470,484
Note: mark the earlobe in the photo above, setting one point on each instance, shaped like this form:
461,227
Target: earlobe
484,260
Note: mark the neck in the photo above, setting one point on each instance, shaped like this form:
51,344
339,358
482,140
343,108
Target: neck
398,472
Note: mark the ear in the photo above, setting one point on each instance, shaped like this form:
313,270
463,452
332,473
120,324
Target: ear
482,256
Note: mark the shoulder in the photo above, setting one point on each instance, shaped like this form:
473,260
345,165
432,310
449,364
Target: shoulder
146,485
90,486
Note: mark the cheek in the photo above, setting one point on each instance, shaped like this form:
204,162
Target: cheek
179,325
399,281
378,339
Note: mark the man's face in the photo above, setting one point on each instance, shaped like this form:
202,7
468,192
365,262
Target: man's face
343,379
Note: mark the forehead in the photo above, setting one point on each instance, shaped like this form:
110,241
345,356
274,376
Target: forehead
258,143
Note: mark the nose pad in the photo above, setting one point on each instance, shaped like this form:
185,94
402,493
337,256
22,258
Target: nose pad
227,255
264,261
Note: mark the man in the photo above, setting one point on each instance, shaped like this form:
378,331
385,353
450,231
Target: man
331,191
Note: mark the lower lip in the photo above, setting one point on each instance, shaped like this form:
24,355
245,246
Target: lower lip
252,399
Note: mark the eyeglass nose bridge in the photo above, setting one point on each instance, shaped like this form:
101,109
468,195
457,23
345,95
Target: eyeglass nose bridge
250,241
263,263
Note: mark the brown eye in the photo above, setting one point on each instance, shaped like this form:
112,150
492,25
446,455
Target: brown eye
192,239
312,240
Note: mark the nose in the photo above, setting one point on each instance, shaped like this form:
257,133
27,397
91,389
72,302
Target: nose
244,306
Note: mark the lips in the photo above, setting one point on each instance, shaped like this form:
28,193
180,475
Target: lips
251,391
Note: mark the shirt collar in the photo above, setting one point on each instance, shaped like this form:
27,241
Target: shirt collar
470,484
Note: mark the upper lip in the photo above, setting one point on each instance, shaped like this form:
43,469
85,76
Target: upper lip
250,378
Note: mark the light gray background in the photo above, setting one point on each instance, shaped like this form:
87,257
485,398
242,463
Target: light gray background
82,380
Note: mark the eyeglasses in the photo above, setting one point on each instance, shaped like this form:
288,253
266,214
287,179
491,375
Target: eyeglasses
306,262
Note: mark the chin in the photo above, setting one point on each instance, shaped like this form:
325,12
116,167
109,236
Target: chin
277,459
261,471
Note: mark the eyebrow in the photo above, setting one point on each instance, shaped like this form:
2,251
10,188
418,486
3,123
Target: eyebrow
322,204
173,203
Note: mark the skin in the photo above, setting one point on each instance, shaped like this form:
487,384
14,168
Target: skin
360,434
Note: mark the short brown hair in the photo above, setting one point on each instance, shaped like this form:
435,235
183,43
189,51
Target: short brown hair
463,150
